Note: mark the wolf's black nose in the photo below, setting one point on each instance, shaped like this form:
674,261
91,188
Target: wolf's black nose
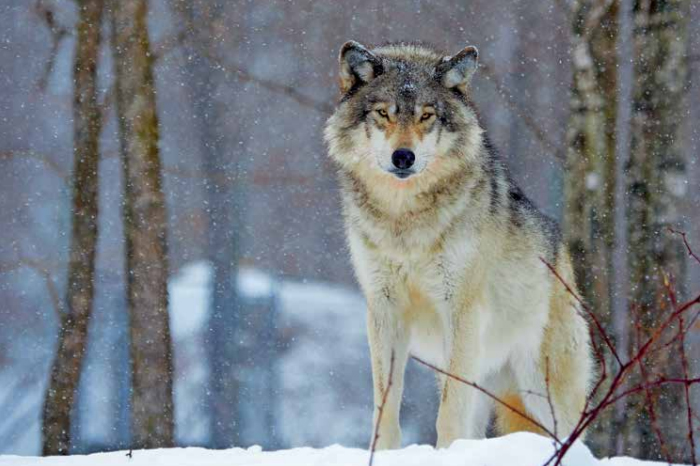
403,158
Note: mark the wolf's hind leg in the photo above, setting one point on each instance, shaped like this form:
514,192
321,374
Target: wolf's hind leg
553,384
509,420
564,358
508,408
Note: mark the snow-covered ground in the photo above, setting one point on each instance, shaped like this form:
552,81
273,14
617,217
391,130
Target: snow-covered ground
324,397
522,449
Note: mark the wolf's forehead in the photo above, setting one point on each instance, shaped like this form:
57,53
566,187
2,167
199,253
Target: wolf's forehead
406,83
409,92
408,89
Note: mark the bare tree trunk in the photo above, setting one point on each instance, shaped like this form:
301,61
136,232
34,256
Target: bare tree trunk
589,179
656,186
145,225
203,24
620,279
72,337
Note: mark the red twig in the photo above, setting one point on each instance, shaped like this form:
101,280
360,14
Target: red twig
380,410
685,242
549,396
689,408
656,383
684,359
610,396
647,392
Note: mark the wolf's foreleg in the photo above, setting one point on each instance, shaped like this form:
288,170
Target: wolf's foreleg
387,335
457,416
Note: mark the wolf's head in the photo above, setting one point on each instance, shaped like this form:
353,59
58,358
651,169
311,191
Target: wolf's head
405,115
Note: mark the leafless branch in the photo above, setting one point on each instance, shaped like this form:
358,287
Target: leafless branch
686,387
275,87
545,141
43,158
658,382
44,270
239,72
684,235
58,33
648,393
612,393
549,397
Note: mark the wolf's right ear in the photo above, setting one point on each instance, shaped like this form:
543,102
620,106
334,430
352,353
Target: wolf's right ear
457,71
357,66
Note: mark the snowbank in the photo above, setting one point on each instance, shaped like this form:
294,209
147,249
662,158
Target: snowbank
521,449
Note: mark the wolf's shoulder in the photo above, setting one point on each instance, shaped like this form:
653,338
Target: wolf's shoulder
523,215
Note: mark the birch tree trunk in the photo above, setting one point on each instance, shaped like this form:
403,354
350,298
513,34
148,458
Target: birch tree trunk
656,187
589,178
73,327
145,226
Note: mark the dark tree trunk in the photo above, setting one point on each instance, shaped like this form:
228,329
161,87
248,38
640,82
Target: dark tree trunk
145,225
589,179
73,327
656,185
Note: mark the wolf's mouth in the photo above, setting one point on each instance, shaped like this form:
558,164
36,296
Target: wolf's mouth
403,174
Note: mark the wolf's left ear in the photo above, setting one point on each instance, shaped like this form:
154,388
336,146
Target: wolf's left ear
457,71
357,65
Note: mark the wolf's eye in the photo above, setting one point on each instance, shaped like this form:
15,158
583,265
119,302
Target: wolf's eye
425,116
382,113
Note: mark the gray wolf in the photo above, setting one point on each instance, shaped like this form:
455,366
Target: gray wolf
447,249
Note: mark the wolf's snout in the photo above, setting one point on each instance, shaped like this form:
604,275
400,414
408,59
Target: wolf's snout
403,159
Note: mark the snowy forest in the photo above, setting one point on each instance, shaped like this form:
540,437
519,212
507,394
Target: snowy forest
174,270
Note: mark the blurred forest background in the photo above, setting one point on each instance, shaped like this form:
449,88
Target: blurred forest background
171,223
